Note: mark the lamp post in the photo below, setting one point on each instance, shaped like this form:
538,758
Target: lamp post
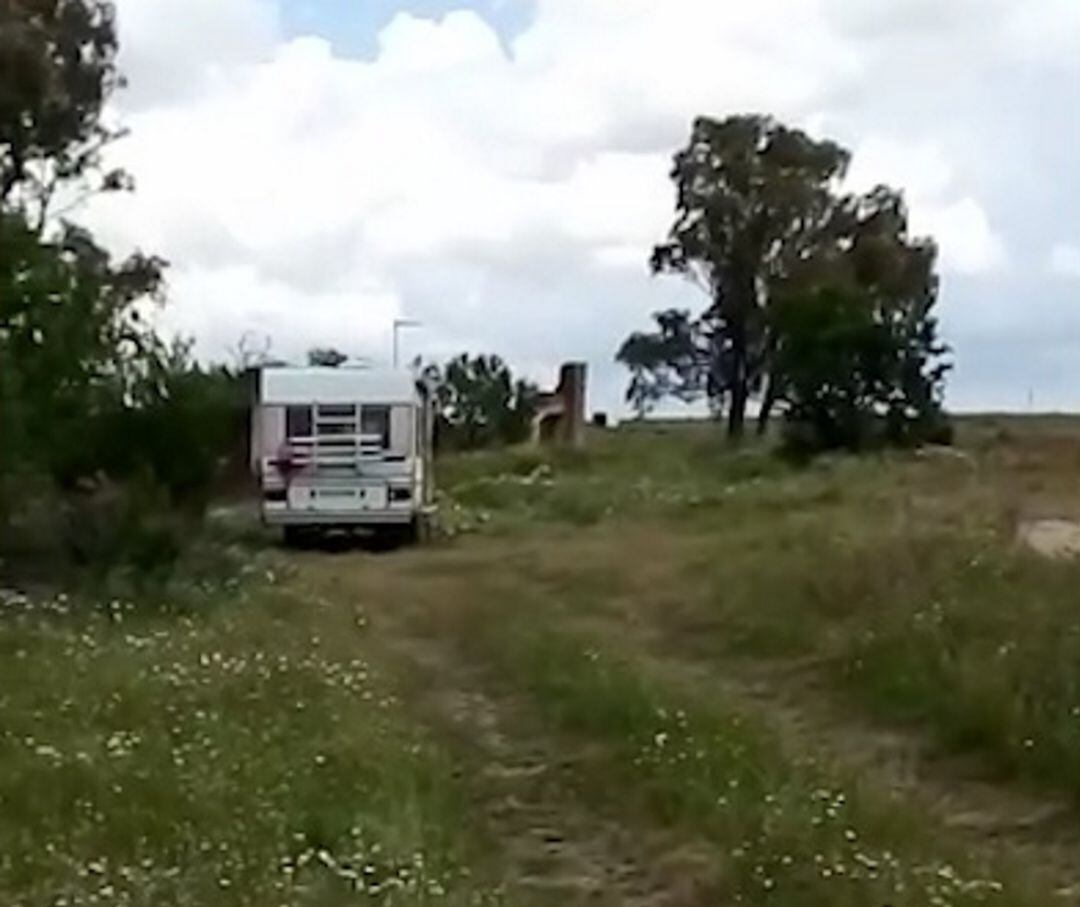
400,323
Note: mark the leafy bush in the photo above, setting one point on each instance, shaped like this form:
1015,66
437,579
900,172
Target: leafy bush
130,524
854,376
480,403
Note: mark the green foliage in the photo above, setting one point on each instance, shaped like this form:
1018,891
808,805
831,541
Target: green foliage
713,768
864,300
107,428
74,342
828,600
893,581
790,828
760,223
674,361
130,524
480,403
57,72
847,379
186,438
750,194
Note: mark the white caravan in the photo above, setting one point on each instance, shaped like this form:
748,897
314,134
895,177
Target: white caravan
343,448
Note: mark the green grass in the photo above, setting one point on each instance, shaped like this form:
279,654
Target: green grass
899,574
933,618
627,473
239,752
231,741
787,831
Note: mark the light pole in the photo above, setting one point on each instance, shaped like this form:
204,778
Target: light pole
400,323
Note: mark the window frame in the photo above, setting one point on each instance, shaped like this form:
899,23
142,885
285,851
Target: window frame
295,410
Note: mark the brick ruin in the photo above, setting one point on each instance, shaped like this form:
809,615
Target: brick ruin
560,414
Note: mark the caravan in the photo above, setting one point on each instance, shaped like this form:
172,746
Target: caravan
343,448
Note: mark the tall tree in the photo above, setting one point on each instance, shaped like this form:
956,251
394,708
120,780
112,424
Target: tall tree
57,72
752,195
75,342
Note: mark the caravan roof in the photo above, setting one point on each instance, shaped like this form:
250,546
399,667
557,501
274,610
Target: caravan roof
297,386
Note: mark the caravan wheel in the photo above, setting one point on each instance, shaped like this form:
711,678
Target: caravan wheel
295,536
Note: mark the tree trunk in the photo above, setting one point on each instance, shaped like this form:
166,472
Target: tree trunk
767,404
739,385
737,414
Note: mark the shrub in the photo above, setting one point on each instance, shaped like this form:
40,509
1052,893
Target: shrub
108,525
480,403
854,375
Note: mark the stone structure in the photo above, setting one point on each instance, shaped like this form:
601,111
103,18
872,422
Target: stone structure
560,414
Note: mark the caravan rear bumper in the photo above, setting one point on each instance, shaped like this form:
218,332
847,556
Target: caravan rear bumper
337,502
285,516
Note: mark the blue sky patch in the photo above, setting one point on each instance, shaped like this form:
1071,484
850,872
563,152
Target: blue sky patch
352,26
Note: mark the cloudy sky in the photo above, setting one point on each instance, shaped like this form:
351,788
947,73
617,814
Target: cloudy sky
497,169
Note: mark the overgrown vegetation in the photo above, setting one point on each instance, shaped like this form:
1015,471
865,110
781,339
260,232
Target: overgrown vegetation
881,596
851,376
898,574
235,747
789,833
251,742
517,488
112,438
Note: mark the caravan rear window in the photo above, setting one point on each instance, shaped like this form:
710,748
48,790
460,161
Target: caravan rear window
375,420
299,422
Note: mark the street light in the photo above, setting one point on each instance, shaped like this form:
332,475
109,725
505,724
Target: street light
400,323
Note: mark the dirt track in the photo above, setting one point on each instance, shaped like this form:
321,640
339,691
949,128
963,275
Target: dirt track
524,774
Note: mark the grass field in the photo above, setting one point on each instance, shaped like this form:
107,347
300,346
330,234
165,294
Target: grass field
656,672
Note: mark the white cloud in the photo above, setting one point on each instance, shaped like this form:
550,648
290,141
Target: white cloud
962,228
412,46
1046,32
175,49
511,199
969,244
922,169
291,320
1065,260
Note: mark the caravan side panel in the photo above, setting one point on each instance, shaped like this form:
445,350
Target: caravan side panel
268,434
401,430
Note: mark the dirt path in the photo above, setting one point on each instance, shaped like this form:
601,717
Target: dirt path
555,849
552,848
